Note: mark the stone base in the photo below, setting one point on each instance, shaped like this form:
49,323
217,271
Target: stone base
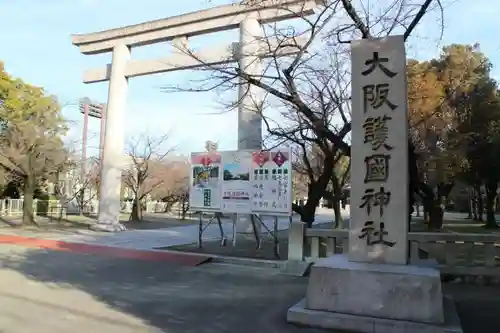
400,292
298,314
108,227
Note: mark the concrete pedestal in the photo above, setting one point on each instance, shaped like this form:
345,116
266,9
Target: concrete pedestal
365,297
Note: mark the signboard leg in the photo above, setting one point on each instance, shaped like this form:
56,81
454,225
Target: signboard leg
200,230
234,219
275,238
256,230
222,235
273,234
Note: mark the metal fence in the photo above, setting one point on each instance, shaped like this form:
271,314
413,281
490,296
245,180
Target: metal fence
14,207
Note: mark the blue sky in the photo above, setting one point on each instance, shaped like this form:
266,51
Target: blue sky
36,46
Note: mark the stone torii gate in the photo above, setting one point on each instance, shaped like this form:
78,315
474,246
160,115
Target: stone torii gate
248,52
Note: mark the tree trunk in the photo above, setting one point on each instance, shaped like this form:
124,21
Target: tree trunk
136,214
475,217
29,192
308,211
491,194
168,206
81,199
339,221
337,201
436,212
427,207
436,217
480,204
433,212
470,204
316,189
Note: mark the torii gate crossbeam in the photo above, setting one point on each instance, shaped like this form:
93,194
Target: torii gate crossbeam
248,52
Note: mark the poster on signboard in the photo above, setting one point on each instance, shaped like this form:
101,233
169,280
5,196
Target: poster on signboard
205,181
236,186
272,182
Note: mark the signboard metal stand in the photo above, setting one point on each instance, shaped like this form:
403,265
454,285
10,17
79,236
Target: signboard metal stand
273,234
201,229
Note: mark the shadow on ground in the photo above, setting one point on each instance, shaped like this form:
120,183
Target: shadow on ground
44,224
478,306
246,247
209,298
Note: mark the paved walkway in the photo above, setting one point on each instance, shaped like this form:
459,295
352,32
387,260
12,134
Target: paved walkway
166,237
173,236
150,239
155,238
56,292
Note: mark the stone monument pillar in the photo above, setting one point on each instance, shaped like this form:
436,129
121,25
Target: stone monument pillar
249,99
372,288
112,160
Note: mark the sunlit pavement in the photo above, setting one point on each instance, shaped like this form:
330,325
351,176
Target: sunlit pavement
158,238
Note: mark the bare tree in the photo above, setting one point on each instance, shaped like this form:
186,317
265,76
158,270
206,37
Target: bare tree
310,91
73,183
309,164
299,180
146,170
175,186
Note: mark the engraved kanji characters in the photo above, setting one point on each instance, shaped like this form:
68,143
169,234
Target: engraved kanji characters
377,95
377,132
375,199
368,231
375,62
377,168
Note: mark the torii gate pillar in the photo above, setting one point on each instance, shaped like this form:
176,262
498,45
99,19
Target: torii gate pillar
249,96
249,102
112,160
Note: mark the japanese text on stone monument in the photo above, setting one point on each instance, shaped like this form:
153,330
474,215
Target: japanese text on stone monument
379,156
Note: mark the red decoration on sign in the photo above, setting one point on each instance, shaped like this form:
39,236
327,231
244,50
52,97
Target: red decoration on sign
206,159
279,158
260,158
